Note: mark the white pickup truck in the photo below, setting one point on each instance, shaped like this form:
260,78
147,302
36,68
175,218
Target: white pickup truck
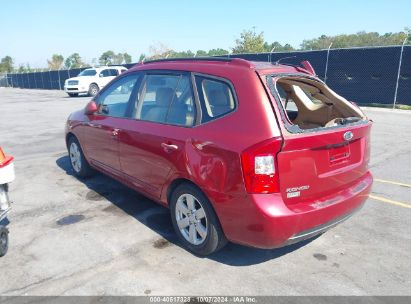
90,81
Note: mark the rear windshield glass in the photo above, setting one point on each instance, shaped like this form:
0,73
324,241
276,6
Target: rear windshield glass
307,104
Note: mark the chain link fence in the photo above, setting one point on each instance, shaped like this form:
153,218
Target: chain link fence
374,75
364,75
46,80
4,80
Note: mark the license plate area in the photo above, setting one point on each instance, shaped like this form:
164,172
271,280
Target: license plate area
339,154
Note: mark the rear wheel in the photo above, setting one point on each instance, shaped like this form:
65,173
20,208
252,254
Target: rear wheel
93,89
4,240
78,162
195,221
73,94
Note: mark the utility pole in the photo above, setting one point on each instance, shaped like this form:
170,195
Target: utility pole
272,50
326,63
399,71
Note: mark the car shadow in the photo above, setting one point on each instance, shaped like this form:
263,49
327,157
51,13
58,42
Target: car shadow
158,219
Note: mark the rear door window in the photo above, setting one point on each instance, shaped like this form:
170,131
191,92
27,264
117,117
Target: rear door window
113,72
109,73
104,73
216,98
167,99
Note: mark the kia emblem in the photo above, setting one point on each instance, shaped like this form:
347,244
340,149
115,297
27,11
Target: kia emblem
348,135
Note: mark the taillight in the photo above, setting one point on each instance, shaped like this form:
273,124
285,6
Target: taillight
259,167
4,160
2,156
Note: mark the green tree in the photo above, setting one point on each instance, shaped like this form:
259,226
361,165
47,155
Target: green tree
6,64
142,57
118,58
73,61
109,57
407,31
201,53
127,58
249,42
56,62
288,47
181,54
21,68
158,51
360,39
319,43
277,47
218,52
25,68
106,58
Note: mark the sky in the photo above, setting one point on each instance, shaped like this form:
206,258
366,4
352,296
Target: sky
32,30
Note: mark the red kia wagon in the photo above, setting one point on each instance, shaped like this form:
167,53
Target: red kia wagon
255,153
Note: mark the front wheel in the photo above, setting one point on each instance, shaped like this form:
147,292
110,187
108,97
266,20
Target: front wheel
4,240
195,221
78,162
93,89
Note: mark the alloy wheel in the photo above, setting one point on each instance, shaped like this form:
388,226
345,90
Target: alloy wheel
75,157
191,219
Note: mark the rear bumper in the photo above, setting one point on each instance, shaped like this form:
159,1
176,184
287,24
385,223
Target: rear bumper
310,233
264,221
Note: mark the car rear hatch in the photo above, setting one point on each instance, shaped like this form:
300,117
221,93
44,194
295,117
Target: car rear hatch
315,165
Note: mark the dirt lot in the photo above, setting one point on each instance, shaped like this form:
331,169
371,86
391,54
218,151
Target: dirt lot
96,237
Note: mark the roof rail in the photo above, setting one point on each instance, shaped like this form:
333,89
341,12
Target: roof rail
190,59
238,61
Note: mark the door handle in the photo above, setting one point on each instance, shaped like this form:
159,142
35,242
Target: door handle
169,147
114,133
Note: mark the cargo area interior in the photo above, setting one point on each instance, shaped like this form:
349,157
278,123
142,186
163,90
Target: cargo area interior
311,104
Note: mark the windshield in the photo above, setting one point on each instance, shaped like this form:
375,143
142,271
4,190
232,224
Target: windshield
88,73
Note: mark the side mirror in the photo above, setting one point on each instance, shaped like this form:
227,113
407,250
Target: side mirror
91,108
100,75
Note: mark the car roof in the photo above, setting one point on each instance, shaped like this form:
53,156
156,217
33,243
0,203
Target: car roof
196,64
107,67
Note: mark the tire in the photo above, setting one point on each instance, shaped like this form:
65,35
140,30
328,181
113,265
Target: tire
73,94
78,162
4,240
93,89
200,231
